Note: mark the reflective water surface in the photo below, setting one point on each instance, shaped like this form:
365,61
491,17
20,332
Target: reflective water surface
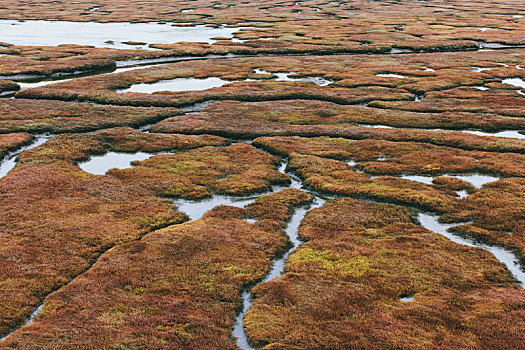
99,165
109,35
8,162
177,84
508,258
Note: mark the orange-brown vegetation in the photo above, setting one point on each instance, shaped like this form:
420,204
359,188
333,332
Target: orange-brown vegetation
176,288
57,116
314,112
337,177
238,169
504,101
115,266
352,75
27,61
10,142
217,119
342,288
496,213
73,148
337,25
380,157
243,91
8,86
55,219
78,59
449,183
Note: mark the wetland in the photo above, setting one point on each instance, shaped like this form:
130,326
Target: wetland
262,175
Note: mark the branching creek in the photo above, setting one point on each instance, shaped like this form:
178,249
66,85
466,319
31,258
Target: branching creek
195,209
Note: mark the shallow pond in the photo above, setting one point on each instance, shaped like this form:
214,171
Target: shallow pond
200,84
177,84
27,81
286,76
195,209
507,133
375,126
427,180
518,82
475,180
99,165
391,76
515,134
481,69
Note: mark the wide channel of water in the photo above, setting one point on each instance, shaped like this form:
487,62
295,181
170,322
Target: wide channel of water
109,35
177,85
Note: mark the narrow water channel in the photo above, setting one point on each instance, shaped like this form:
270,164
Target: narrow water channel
118,35
428,221
476,180
9,161
200,84
505,256
29,320
277,269
195,210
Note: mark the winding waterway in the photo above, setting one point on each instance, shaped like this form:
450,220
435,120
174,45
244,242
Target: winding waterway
277,269
196,208
115,35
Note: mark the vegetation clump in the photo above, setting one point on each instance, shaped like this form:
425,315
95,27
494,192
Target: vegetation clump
57,116
238,169
7,86
369,278
251,121
385,102
496,213
337,177
379,157
56,220
10,142
316,112
177,287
